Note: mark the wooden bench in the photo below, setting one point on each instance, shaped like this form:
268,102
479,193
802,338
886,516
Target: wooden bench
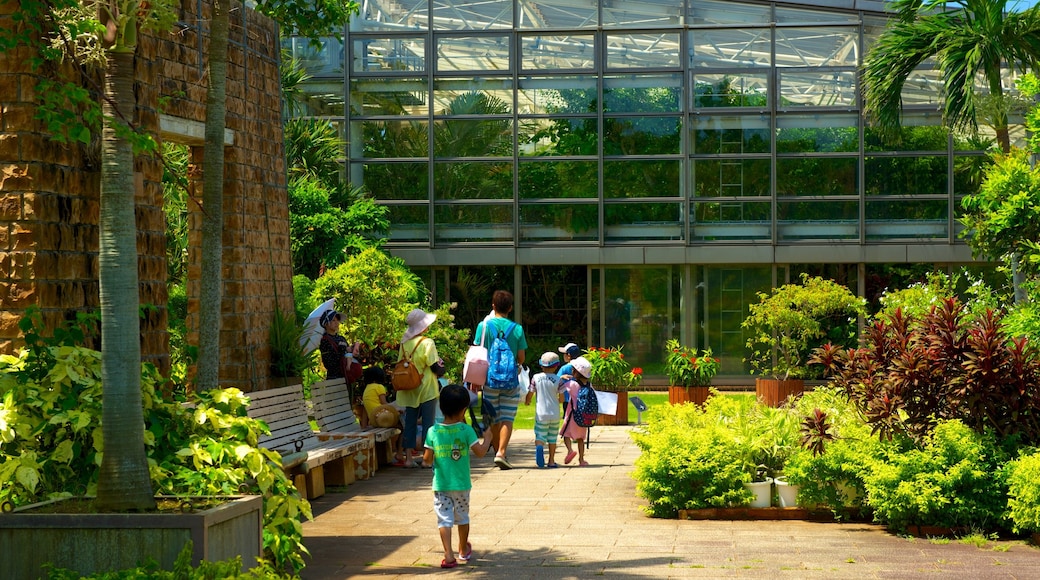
334,414
310,460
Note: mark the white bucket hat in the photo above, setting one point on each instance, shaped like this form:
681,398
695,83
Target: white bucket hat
418,320
582,366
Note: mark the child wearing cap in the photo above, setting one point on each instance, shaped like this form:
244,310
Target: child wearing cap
571,430
547,411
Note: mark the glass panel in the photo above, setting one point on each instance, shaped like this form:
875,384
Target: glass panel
563,179
923,87
731,220
395,138
401,14
816,176
642,93
906,175
817,220
385,55
819,133
473,138
641,135
549,95
730,134
321,98
918,131
730,177
397,181
473,96
388,97
788,15
411,223
730,48
548,137
643,221
559,222
458,15
641,13
473,223
825,89
322,61
818,46
643,50
907,219
703,12
629,179
547,52
556,14
969,172
730,90
726,292
473,180
473,53
641,312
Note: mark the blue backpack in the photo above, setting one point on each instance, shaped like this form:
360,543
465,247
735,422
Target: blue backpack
586,407
501,361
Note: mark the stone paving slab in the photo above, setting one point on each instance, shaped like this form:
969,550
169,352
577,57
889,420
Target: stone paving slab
577,522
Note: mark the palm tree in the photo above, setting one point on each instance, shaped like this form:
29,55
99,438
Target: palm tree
966,38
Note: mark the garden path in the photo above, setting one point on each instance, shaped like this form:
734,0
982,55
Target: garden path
581,522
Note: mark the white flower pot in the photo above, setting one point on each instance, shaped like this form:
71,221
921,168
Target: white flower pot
788,493
763,491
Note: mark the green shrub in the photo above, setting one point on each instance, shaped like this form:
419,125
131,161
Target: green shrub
182,570
953,479
303,288
1024,493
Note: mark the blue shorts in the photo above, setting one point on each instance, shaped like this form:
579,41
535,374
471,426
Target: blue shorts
505,402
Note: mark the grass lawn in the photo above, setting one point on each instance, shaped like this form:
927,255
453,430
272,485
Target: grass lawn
525,414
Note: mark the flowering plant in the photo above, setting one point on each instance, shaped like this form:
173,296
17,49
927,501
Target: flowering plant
686,369
610,370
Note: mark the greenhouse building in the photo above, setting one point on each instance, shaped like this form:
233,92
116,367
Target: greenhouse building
637,171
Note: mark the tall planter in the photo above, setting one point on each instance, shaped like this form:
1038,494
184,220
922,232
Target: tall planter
773,392
621,416
678,395
90,543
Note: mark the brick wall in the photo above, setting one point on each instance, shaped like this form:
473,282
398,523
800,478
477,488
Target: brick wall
49,197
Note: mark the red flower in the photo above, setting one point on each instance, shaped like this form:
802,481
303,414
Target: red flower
637,371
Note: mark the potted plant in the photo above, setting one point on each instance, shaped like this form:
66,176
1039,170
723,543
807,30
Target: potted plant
788,324
288,361
689,375
611,373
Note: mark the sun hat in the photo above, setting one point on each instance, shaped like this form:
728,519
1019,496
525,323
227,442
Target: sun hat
327,316
417,320
549,359
581,366
567,347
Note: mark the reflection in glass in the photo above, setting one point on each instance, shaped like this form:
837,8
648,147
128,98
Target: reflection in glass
723,295
923,87
704,12
557,52
384,55
559,136
559,222
554,14
820,133
641,135
730,90
473,53
906,175
459,96
728,48
388,181
642,94
392,139
730,177
643,221
640,178
643,50
816,176
320,61
917,132
473,180
823,89
729,134
731,220
551,95
411,223
642,13
641,312
388,97
907,219
788,15
473,138
473,223
817,220
817,46
483,15
407,14
559,179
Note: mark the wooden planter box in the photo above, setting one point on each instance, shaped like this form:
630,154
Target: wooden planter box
621,417
678,395
773,392
90,543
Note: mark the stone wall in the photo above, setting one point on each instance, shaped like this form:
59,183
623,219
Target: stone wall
49,196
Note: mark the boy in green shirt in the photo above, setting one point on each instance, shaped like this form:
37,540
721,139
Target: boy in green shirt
447,450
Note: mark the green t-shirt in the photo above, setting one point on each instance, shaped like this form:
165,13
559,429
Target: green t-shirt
451,445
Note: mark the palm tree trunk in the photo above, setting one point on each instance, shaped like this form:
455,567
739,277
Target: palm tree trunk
211,290
996,88
123,483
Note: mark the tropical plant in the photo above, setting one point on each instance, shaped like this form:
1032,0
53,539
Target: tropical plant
610,371
686,369
965,40
287,356
787,324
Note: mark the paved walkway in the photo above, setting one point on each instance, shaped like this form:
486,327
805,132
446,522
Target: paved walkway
576,522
